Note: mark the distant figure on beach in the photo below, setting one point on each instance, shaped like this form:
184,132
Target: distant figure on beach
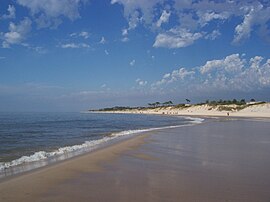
228,114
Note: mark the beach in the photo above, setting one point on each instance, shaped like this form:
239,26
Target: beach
218,160
259,110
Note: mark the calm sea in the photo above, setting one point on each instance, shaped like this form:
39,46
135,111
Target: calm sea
30,137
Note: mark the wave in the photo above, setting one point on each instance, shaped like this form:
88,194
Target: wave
194,120
87,145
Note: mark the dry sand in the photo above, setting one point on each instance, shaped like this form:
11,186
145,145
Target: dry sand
219,160
260,110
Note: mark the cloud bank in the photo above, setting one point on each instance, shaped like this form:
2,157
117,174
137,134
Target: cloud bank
195,19
232,73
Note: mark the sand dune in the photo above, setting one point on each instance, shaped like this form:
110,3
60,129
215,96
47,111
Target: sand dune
253,110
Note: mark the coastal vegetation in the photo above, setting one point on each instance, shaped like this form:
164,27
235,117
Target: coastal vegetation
220,105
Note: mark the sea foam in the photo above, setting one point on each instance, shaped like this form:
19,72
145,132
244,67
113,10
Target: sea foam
87,145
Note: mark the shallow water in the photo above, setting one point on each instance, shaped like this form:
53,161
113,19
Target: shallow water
27,137
217,161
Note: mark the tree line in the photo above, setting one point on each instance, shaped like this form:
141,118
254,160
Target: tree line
158,104
228,102
209,102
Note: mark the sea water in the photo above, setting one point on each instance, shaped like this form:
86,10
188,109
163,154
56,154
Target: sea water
30,140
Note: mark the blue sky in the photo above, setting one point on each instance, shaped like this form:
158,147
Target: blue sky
72,55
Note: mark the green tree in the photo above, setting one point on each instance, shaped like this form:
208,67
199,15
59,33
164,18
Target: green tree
150,104
220,101
243,101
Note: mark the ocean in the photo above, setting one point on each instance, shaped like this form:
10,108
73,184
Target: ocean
31,140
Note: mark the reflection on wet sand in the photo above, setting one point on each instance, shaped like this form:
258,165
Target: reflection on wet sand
211,162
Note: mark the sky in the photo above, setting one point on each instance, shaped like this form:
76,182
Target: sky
74,55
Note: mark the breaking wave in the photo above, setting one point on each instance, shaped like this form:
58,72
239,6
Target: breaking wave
87,145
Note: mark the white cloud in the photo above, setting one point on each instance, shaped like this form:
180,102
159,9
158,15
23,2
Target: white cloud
242,31
48,12
125,39
232,63
202,17
125,35
176,75
82,34
132,63
106,52
141,82
164,18
17,33
256,15
213,35
206,17
137,12
176,38
75,45
102,40
11,13
232,73
2,58
166,75
134,20
133,8
124,32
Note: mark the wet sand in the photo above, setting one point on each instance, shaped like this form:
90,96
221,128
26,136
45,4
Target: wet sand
220,160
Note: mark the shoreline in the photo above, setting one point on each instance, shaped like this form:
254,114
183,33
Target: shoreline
66,169
205,162
56,162
252,111
20,166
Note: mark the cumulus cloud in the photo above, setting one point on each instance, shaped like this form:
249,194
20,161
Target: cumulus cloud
17,33
198,17
49,12
176,38
232,73
232,63
176,75
256,16
11,13
75,45
164,18
142,10
137,12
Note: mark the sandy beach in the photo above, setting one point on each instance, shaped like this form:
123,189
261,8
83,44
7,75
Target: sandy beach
218,160
257,110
